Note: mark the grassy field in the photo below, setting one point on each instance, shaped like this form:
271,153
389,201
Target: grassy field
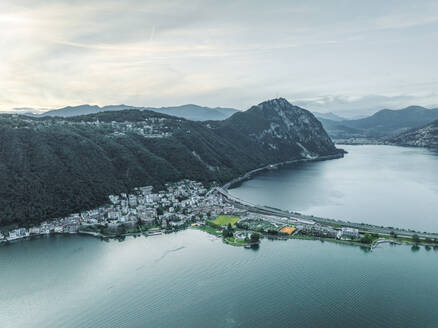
225,220
208,229
235,242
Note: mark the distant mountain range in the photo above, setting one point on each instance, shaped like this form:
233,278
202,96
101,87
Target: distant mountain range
384,123
329,116
426,136
52,166
189,112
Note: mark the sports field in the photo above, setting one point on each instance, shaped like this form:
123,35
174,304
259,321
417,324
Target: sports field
225,220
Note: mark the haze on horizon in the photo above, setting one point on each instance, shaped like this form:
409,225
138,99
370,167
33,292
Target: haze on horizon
345,56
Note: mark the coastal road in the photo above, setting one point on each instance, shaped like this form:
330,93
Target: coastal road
276,215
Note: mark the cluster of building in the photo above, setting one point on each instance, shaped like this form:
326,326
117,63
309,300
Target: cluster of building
318,230
180,204
177,206
152,127
70,224
348,234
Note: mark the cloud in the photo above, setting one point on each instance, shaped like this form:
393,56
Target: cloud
228,53
364,105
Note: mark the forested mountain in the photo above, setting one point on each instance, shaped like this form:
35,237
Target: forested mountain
53,166
384,123
426,136
189,112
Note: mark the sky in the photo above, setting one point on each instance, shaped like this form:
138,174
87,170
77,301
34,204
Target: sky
350,57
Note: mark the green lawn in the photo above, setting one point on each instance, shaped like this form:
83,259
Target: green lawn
208,229
236,242
225,220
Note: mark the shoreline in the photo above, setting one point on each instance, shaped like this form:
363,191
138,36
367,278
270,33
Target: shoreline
337,223
249,174
384,233
356,243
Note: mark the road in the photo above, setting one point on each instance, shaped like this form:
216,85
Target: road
278,216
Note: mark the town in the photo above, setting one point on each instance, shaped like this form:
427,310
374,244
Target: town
187,204
182,204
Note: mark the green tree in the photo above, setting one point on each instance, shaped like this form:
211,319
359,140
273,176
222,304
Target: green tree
255,237
228,231
415,239
139,224
366,239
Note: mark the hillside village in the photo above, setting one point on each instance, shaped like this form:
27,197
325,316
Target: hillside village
149,127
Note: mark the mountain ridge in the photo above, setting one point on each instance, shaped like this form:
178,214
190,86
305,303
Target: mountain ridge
189,111
329,116
384,123
426,136
53,166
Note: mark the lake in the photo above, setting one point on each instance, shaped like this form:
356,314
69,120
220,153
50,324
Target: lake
382,185
190,279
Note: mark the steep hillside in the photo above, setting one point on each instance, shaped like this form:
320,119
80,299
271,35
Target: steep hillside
282,128
426,136
50,167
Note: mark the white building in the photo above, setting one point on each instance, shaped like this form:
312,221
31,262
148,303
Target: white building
348,233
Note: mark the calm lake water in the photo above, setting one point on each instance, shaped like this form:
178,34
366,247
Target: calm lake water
383,185
189,279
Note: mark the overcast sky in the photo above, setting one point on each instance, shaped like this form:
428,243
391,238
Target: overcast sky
342,56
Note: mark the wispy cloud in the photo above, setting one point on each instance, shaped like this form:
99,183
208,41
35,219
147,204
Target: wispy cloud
229,53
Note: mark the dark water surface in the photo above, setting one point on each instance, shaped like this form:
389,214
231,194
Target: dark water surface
189,279
383,185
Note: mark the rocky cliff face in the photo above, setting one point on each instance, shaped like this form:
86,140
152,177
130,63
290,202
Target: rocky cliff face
424,137
284,128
